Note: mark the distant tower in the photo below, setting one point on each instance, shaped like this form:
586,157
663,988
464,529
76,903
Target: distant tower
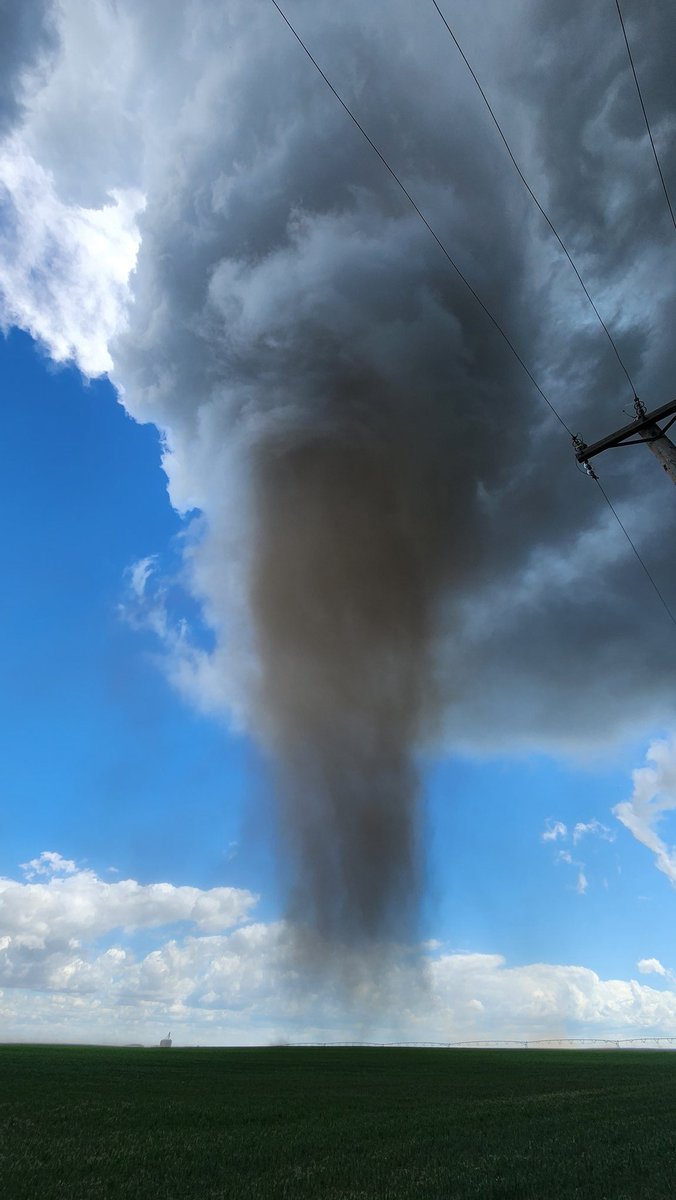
165,1044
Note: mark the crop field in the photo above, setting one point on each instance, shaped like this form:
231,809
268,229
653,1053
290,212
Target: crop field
89,1123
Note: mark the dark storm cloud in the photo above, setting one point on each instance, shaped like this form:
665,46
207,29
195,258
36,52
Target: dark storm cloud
601,174
420,553
26,38
398,550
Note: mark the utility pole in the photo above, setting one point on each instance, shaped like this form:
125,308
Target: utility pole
645,425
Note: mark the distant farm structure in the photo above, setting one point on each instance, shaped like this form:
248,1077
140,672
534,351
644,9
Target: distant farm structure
165,1044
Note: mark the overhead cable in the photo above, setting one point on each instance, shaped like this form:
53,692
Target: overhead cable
645,115
494,321
531,193
464,279
625,531
550,223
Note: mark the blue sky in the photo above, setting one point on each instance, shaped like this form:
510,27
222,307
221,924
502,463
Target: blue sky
106,765
183,293
104,756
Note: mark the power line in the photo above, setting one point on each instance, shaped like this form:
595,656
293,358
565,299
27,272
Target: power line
531,193
508,148
494,321
645,115
623,527
464,279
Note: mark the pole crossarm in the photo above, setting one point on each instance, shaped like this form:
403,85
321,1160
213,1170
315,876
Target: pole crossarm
583,452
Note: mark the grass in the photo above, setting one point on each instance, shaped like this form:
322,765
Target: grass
91,1123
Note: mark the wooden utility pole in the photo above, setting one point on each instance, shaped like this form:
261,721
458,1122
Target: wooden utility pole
646,427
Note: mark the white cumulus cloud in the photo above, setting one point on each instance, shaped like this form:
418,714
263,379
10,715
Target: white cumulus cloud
651,966
64,268
652,799
593,827
554,831
49,862
220,977
76,904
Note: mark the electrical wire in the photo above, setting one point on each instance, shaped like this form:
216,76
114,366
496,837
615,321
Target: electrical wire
494,321
645,115
464,279
531,193
573,265
658,593
508,148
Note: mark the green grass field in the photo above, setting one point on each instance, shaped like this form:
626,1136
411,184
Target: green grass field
89,1123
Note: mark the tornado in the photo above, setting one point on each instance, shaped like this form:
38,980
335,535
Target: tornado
351,552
